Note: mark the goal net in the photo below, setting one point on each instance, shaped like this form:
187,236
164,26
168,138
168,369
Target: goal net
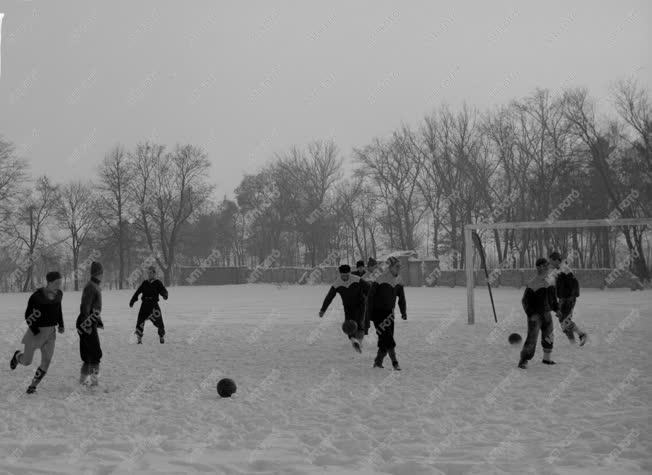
603,253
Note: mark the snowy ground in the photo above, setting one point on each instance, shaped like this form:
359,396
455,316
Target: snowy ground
307,403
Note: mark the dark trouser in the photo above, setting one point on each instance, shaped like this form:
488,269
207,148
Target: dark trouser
384,323
535,323
89,346
90,352
357,315
150,311
566,306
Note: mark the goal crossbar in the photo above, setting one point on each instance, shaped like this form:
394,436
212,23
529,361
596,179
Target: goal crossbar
583,223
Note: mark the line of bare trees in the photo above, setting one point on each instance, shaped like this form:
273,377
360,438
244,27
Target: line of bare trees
413,189
139,205
419,186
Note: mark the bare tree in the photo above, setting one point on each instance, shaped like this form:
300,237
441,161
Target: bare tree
394,170
168,189
27,225
601,145
115,175
12,177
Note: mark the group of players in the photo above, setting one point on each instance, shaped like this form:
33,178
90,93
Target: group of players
368,296
44,317
549,291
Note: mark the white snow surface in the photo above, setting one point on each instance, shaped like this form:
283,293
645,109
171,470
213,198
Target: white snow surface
308,403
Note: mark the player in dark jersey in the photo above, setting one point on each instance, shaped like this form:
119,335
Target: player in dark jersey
385,289
538,300
352,290
149,309
44,318
568,289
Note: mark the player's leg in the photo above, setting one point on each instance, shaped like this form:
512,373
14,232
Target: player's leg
565,318
581,333
391,345
143,315
84,372
385,338
95,355
157,319
547,337
530,344
31,342
47,351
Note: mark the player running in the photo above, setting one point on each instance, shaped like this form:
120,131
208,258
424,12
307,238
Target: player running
42,315
352,290
568,289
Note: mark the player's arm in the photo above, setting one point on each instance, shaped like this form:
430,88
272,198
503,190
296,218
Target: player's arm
369,307
60,316
402,305
552,298
31,315
163,292
528,301
98,309
327,301
139,290
576,287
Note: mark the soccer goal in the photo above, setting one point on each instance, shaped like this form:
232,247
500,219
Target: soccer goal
609,246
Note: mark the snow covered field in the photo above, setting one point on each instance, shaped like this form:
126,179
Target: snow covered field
307,403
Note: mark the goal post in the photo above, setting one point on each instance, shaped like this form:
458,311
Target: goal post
469,247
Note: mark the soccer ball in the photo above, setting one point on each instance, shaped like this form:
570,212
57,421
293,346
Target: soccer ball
226,387
349,327
514,338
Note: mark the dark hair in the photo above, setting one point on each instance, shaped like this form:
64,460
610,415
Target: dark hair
359,264
371,262
541,261
52,276
555,256
345,269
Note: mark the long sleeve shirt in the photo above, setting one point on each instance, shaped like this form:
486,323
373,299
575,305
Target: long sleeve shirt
42,311
565,283
384,292
90,308
539,297
351,291
150,289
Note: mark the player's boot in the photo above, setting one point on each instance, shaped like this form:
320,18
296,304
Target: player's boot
37,379
583,338
356,344
95,371
380,356
392,356
161,339
522,364
549,362
139,339
14,360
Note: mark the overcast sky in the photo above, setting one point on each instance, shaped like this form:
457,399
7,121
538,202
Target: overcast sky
247,79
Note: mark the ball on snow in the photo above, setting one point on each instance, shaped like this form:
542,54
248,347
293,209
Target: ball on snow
515,338
226,387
